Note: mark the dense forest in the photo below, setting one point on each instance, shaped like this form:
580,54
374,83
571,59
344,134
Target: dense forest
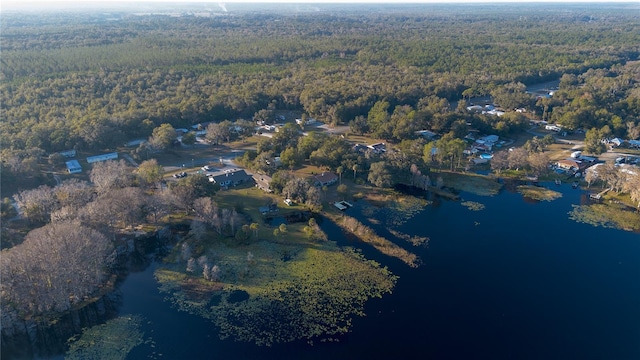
95,84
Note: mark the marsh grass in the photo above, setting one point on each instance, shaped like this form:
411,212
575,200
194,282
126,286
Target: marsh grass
610,215
473,183
110,341
413,240
538,193
385,246
472,205
295,291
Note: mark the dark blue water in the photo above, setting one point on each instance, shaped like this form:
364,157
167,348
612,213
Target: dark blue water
518,280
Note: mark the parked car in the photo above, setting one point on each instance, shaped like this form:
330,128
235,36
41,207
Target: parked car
207,168
180,175
288,202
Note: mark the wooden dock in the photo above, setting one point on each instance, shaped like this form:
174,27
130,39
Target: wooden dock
598,196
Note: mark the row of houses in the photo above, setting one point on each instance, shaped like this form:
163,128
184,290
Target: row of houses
483,144
618,142
74,167
236,177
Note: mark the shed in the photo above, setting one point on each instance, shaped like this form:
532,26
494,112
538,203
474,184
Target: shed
73,167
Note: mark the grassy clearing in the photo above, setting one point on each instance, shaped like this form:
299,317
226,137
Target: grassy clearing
538,193
249,200
473,183
287,292
110,341
611,215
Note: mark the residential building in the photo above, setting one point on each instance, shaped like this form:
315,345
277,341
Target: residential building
325,179
230,178
263,182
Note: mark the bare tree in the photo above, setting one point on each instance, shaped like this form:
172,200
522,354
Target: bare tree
517,158
197,229
205,209
74,193
539,163
55,267
110,174
632,185
37,204
499,161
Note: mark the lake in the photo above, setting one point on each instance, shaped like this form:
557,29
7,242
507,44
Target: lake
517,280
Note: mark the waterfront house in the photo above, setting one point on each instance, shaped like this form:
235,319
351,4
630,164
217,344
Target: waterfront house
569,164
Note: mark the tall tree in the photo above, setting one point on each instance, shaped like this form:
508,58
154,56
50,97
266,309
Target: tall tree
163,136
150,172
379,174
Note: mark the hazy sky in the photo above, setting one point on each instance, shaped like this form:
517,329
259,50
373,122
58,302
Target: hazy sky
34,4
6,2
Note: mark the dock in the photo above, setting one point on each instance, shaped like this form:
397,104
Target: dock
342,205
598,196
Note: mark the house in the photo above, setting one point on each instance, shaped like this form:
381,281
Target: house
378,148
103,157
616,142
73,167
426,134
325,179
360,148
569,164
263,182
68,153
229,178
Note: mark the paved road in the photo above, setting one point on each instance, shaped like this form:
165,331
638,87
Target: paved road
195,165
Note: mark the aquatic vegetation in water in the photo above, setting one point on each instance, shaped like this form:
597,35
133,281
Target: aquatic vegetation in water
313,294
404,208
381,244
472,205
395,208
110,341
413,240
538,193
473,183
606,215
